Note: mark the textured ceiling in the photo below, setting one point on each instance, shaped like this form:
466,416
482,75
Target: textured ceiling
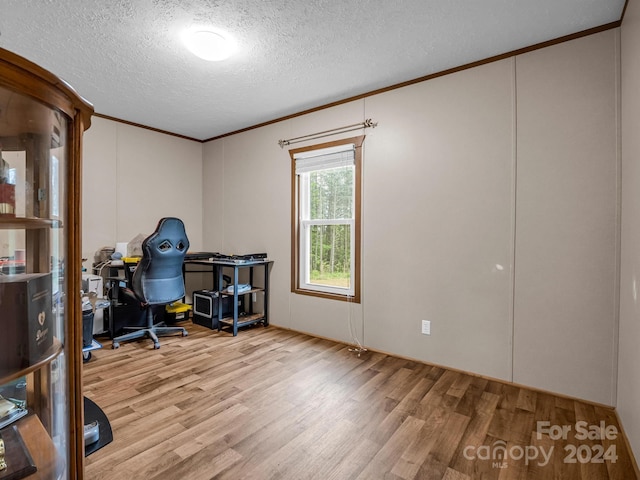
126,57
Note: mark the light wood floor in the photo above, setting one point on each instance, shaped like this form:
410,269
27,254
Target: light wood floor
275,404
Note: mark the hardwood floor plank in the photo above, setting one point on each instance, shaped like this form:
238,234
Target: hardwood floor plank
441,454
419,388
199,467
459,386
453,475
409,463
392,449
526,400
472,395
357,458
619,469
475,433
275,404
328,450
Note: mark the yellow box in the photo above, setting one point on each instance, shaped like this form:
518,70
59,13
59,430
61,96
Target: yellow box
177,311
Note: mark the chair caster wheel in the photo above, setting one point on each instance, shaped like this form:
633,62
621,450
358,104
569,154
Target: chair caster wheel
115,345
156,346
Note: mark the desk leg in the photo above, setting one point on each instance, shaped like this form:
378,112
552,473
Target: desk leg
235,300
218,269
266,294
250,312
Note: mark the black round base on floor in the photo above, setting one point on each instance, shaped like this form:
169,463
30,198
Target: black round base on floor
93,412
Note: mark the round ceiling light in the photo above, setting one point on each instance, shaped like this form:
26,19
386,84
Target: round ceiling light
209,45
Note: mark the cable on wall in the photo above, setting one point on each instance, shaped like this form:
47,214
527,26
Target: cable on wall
334,131
357,346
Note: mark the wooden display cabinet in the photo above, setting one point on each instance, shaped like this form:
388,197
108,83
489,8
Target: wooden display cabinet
42,121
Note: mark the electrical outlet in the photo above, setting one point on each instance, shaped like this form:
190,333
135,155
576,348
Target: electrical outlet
426,327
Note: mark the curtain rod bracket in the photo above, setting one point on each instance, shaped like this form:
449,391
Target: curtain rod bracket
368,123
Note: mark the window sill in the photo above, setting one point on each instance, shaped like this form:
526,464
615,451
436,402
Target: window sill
330,296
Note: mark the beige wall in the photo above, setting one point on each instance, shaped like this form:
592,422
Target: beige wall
132,177
489,208
438,220
629,356
565,316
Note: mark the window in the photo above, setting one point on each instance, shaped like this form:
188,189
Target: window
325,237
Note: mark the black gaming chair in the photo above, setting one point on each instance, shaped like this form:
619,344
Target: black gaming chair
158,280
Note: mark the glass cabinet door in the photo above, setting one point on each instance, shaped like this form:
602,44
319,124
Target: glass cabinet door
40,390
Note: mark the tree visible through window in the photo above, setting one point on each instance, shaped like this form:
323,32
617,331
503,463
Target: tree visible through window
326,219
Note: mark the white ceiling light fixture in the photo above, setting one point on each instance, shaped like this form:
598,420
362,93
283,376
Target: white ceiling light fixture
209,44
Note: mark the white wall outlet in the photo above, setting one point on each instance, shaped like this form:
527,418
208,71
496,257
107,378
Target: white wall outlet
426,327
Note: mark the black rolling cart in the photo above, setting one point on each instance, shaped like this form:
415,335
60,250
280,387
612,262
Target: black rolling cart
241,317
225,305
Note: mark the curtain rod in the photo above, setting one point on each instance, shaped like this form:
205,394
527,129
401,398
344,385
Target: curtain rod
334,131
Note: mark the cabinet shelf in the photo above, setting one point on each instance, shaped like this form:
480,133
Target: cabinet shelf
28,223
45,456
50,355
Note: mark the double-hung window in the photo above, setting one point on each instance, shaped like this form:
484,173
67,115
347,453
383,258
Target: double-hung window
326,219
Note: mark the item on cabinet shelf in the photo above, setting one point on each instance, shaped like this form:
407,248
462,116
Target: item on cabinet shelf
6,407
7,190
26,323
205,308
11,267
15,391
13,415
17,458
7,200
3,464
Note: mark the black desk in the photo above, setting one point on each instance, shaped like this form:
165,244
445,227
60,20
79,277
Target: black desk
248,316
121,314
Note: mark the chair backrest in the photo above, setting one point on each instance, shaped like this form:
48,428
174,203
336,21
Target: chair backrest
158,277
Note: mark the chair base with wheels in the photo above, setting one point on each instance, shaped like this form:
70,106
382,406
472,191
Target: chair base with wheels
150,330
